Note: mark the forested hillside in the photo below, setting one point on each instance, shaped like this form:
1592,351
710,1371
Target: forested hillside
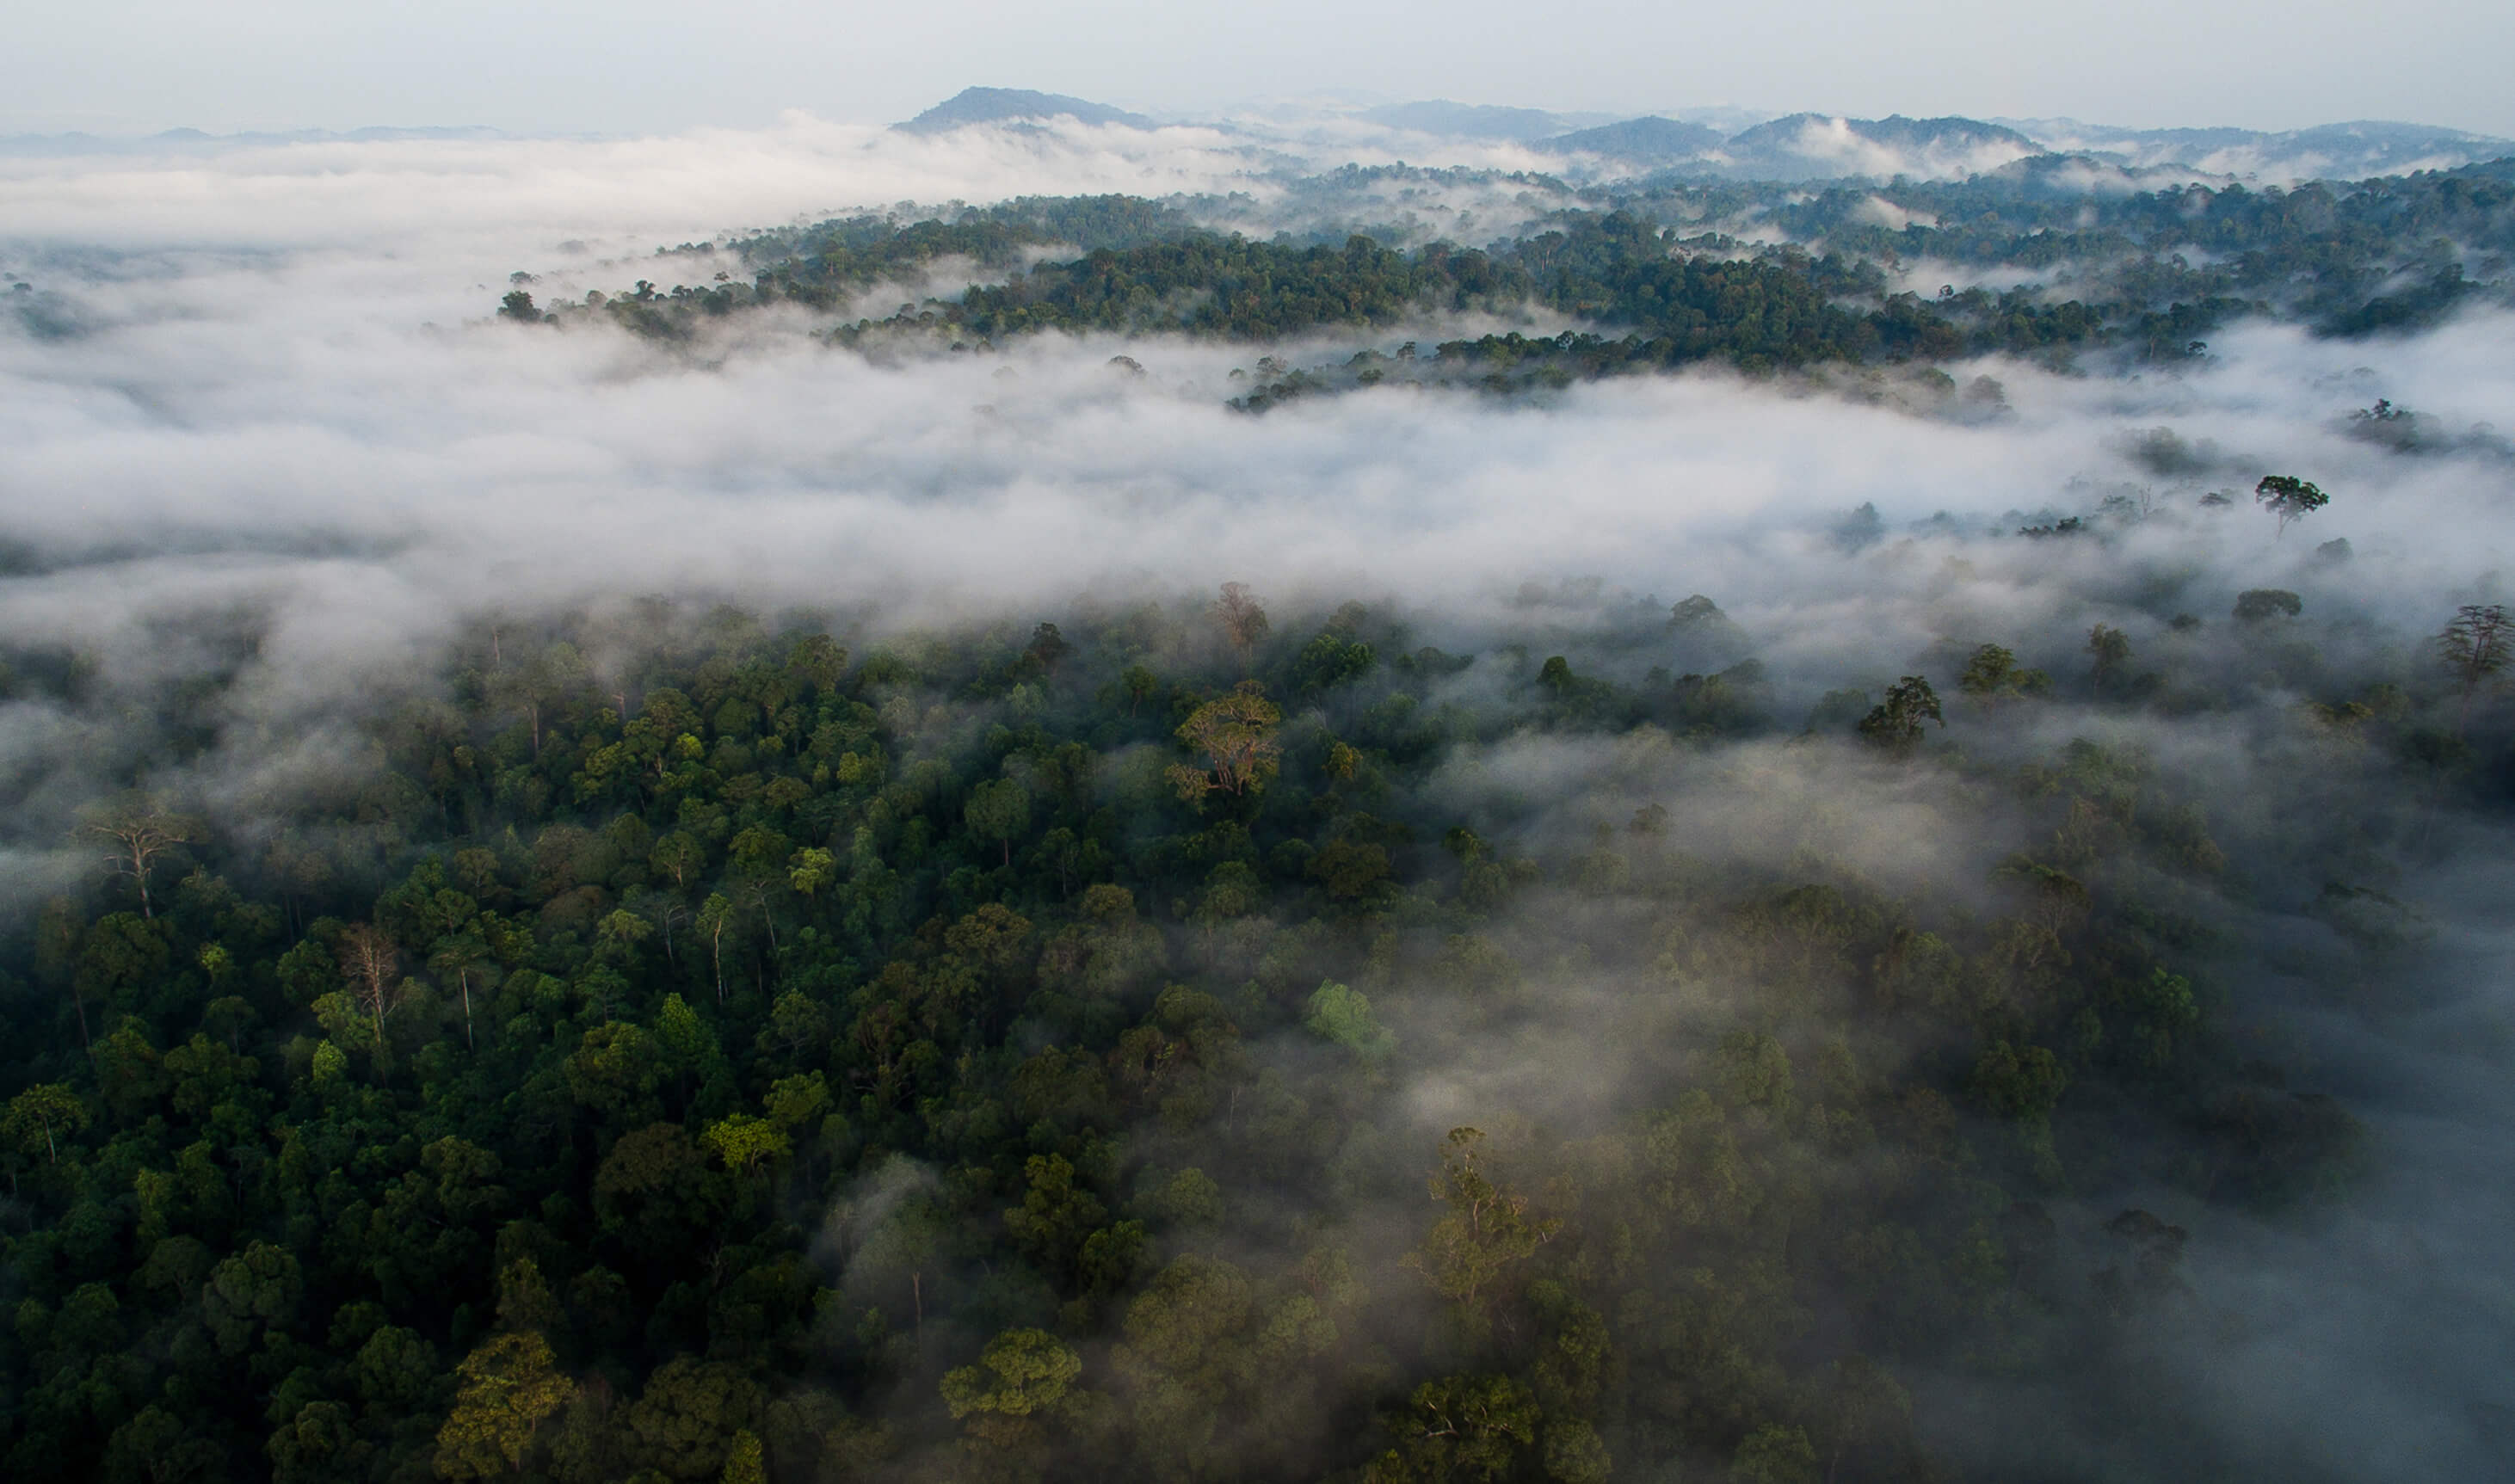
1179,1042
1762,277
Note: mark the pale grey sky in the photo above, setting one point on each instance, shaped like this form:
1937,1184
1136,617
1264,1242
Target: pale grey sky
639,65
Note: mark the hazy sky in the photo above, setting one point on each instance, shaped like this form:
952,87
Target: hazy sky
635,66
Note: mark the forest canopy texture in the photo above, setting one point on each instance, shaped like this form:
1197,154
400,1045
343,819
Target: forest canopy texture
1011,1037
1635,278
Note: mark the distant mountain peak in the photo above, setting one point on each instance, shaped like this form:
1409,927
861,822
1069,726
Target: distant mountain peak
1004,105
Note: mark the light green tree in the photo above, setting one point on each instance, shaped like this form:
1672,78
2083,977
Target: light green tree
1488,1229
1342,1014
1993,674
1236,736
42,1116
810,869
797,1102
743,1463
686,1038
1023,1378
510,1387
745,1141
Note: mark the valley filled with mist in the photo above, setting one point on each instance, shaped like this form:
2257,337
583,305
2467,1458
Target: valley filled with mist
1404,794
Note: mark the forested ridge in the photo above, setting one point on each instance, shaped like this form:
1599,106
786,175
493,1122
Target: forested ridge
700,1046
1763,277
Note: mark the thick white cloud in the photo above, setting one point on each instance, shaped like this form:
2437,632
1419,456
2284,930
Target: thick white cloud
322,415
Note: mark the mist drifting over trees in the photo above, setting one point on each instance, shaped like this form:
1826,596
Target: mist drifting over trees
1209,816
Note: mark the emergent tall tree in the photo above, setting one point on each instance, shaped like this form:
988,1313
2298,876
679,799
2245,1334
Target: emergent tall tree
2289,497
2111,649
1242,621
370,960
2473,647
140,830
1236,733
1894,726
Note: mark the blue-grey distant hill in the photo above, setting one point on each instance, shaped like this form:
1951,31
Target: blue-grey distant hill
1647,141
1817,143
1894,130
1440,116
1804,146
1801,147
1007,105
2336,151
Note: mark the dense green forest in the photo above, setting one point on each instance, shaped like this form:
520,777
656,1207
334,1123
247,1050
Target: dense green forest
1169,1042
1763,277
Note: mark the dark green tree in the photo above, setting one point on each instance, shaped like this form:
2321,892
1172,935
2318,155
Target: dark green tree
1894,726
2289,498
